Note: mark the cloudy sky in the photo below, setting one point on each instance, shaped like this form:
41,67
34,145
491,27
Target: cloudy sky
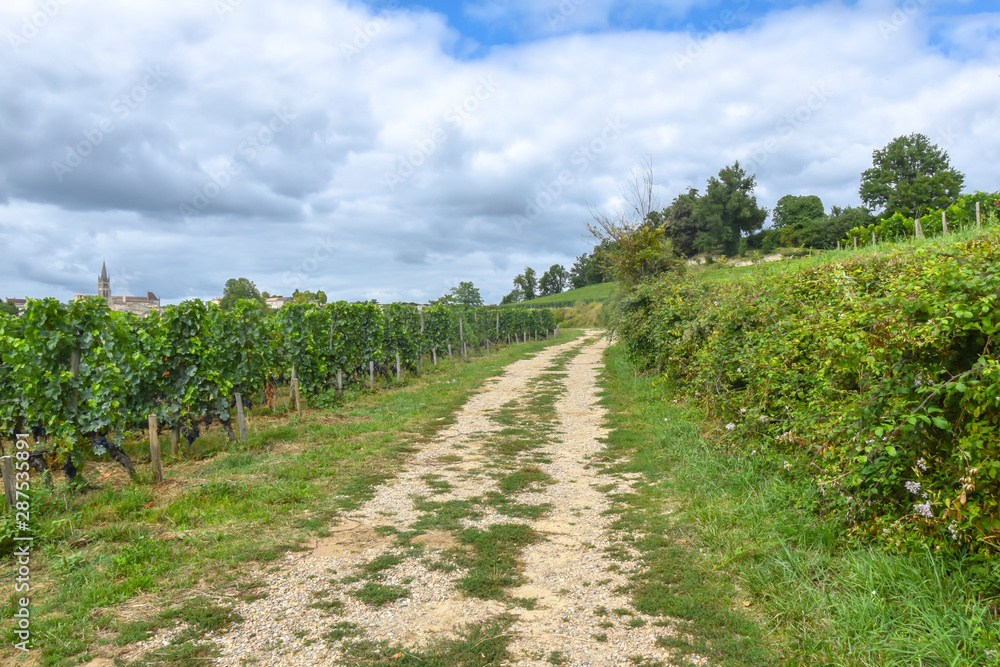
389,150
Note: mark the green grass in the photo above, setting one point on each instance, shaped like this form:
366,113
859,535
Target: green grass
588,294
479,645
226,510
724,272
759,577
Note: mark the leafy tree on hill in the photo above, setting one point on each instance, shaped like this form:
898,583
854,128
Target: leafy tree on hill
554,280
590,269
681,224
728,210
515,296
793,214
465,294
239,288
910,176
527,282
8,307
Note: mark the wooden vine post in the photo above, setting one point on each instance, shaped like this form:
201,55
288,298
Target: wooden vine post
154,449
340,381
918,228
371,374
74,367
944,222
9,489
449,351
241,422
295,393
175,441
399,368
979,220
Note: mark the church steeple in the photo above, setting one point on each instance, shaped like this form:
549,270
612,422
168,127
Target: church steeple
104,283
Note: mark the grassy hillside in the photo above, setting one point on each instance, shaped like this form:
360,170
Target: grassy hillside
588,294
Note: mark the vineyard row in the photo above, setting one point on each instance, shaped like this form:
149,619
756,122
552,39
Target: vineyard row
78,375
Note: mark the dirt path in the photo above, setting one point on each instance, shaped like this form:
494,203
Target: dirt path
494,538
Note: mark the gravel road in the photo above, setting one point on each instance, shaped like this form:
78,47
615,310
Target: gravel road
579,615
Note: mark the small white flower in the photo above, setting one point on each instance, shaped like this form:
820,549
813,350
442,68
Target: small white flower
743,411
730,426
922,463
763,419
913,487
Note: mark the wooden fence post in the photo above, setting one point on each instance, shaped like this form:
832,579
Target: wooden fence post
74,367
241,422
154,449
295,393
944,222
9,488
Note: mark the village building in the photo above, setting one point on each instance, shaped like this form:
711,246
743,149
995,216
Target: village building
139,305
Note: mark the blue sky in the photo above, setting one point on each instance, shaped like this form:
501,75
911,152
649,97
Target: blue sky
488,23
389,151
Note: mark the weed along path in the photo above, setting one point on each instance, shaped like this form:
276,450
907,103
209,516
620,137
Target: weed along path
493,546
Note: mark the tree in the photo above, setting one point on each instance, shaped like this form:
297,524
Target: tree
589,269
793,214
826,231
8,307
527,282
309,297
728,210
910,176
554,281
466,294
637,247
515,296
681,223
239,288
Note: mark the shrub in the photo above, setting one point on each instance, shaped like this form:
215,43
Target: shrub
882,371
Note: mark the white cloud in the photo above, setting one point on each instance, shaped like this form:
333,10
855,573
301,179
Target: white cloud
541,130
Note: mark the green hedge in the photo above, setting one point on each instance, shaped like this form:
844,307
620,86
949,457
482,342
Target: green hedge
881,371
